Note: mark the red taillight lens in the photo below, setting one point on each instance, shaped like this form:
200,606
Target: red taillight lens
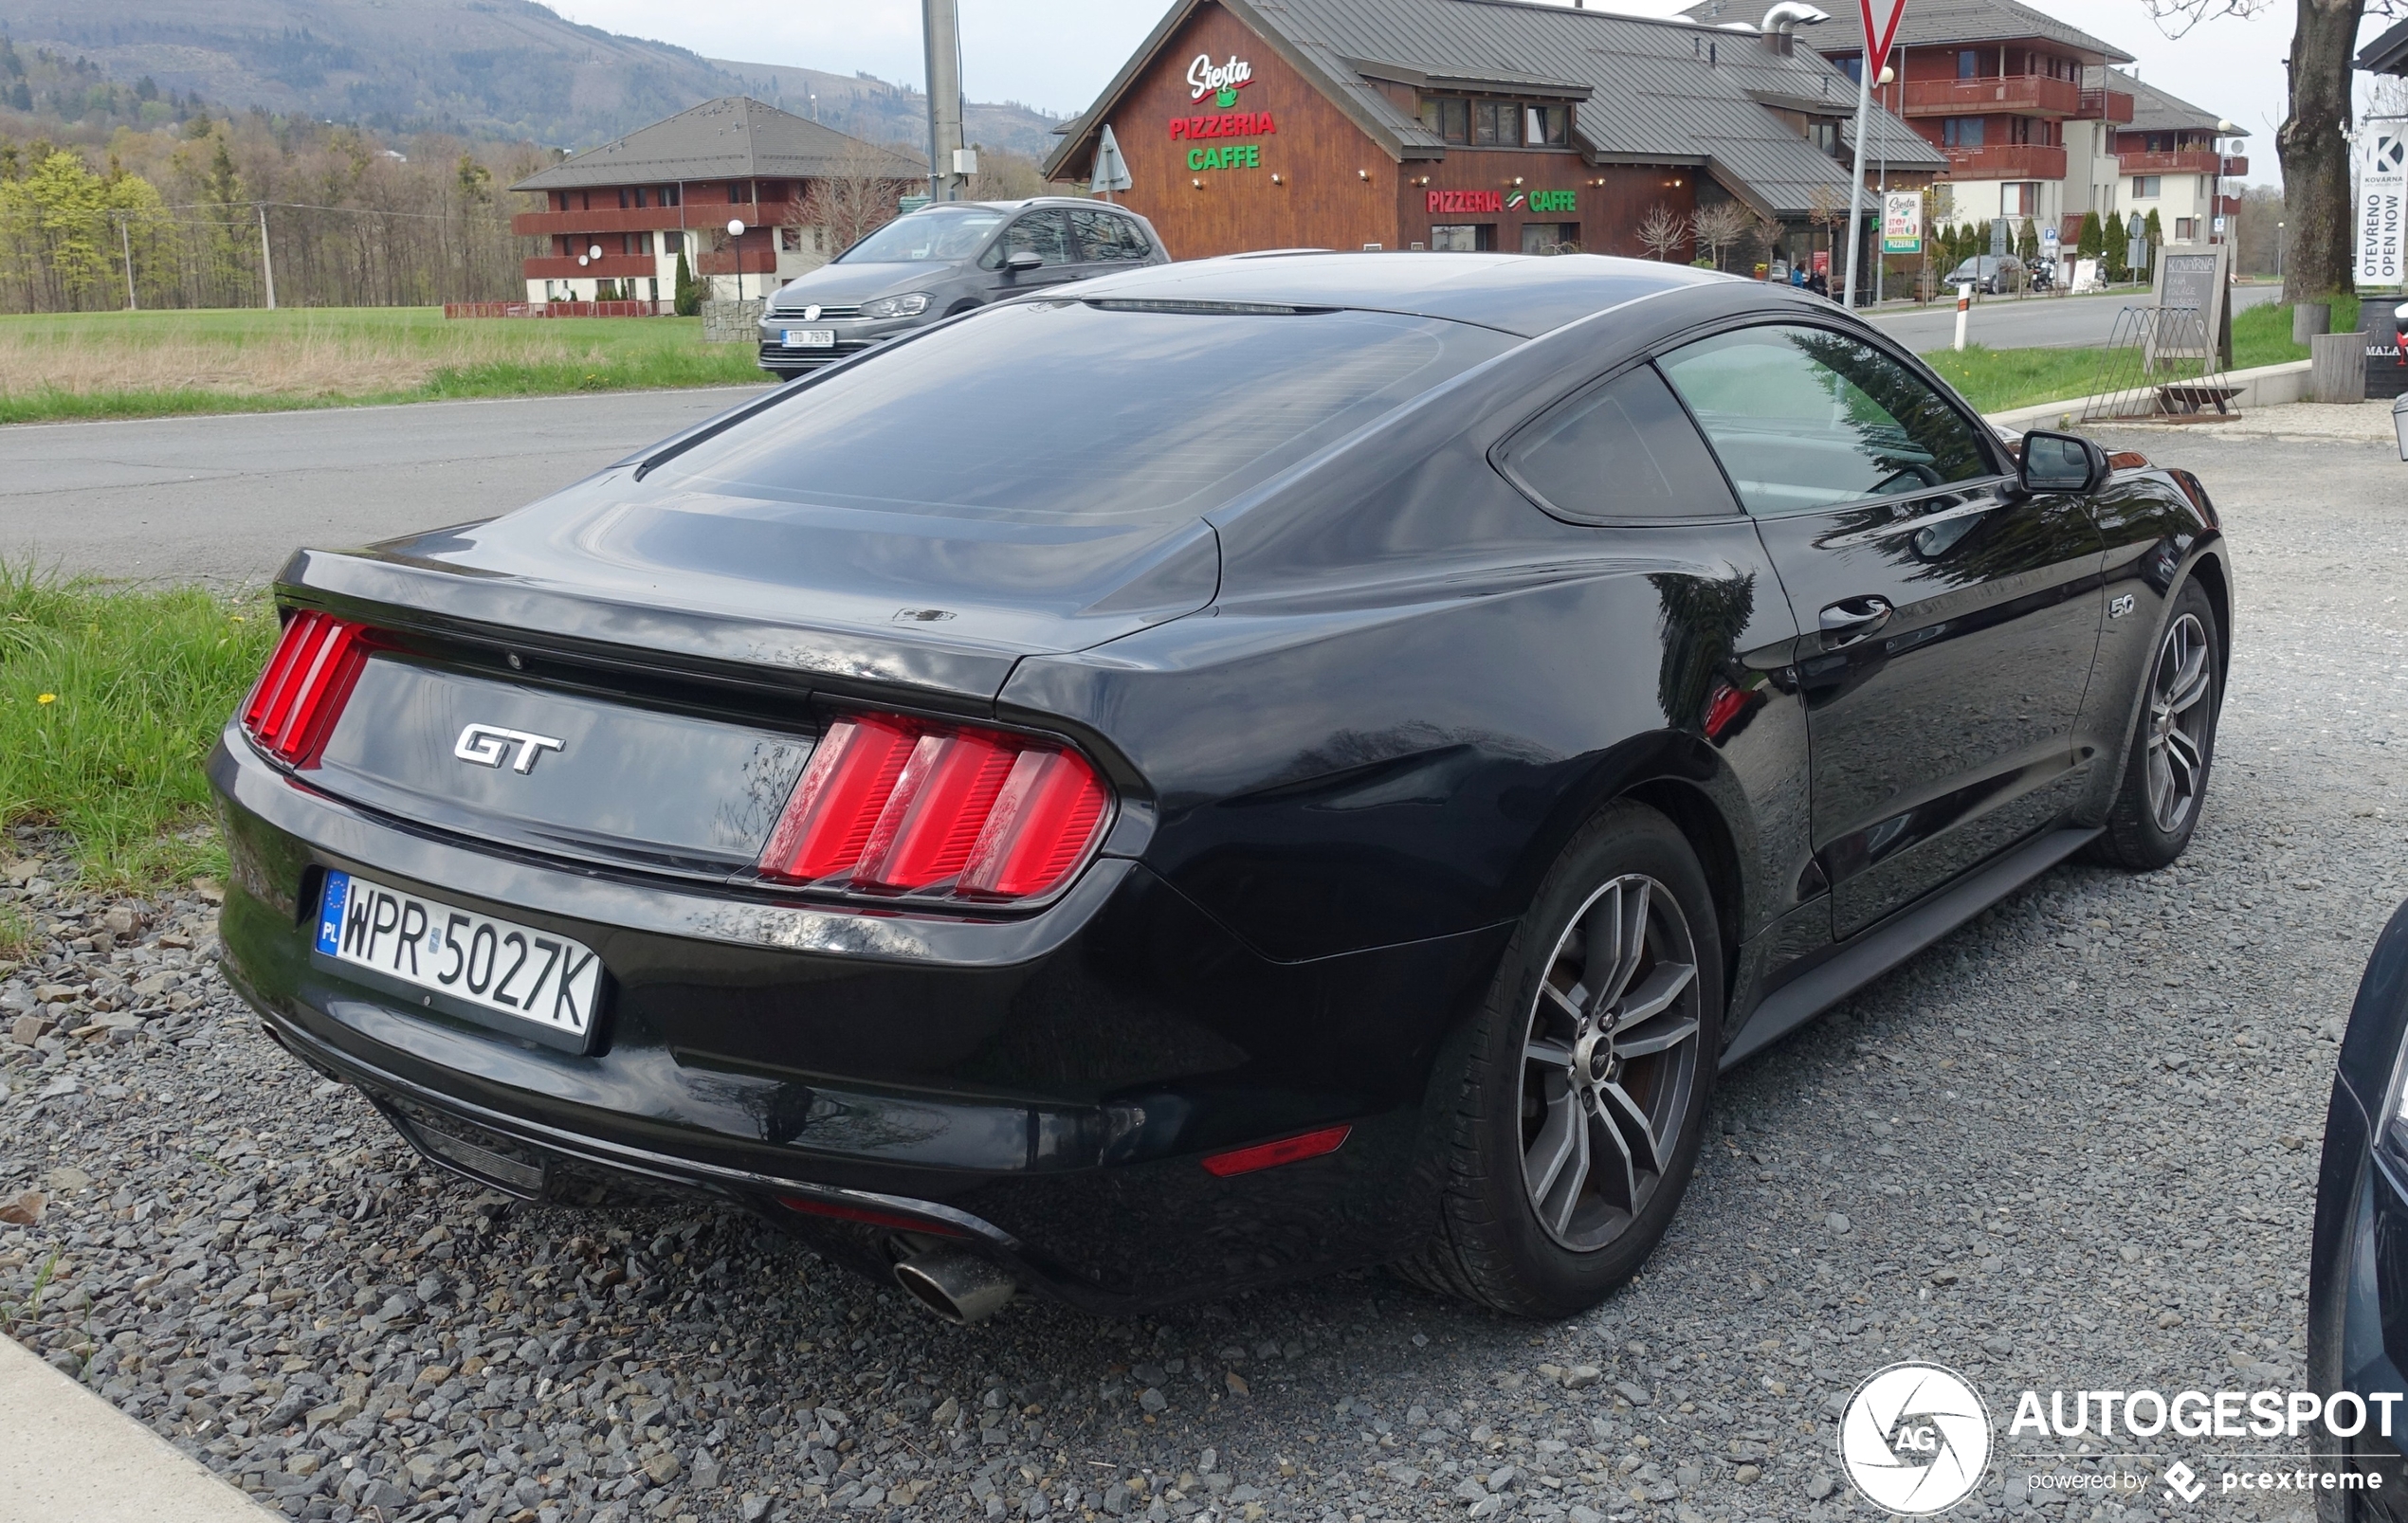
897,805
297,700
1272,1154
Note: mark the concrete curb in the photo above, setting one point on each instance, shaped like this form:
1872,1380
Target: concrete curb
68,1456
2263,385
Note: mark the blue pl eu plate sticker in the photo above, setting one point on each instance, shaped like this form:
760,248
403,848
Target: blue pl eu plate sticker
330,913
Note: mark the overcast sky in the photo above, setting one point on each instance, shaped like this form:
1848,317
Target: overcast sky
1058,53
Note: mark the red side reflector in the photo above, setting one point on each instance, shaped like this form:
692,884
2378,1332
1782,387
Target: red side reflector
900,806
1272,1154
894,1220
297,700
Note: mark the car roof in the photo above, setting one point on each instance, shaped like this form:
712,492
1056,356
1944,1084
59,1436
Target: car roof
1522,294
1021,204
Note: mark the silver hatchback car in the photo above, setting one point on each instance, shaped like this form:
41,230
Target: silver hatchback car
941,260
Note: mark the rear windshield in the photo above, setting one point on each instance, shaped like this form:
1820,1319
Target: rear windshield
926,236
1061,412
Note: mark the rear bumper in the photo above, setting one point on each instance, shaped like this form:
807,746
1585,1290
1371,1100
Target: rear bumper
1044,1086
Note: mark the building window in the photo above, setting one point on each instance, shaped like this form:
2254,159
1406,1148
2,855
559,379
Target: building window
2148,187
1960,132
2019,198
2186,229
1824,134
789,240
668,196
1548,126
1550,237
1451,119
1496,124
1464,238
1968,64
1853,66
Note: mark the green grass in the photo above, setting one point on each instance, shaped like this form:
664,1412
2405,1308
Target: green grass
109,701
1996,379
153,364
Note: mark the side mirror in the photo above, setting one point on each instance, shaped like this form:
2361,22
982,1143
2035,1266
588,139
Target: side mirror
1026,259
2061,463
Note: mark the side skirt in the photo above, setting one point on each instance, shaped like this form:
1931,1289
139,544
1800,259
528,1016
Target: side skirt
1878,950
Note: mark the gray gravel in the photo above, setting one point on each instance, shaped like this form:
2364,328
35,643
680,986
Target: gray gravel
2072,1145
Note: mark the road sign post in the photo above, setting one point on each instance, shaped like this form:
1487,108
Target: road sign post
1877,38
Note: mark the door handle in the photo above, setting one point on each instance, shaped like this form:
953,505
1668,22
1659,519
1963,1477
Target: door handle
1850,620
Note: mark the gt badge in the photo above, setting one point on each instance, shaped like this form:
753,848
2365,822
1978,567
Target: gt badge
486,744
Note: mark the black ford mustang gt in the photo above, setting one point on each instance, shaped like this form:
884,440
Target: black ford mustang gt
1221,771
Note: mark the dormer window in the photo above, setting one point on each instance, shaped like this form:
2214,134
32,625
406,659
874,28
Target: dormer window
1497,123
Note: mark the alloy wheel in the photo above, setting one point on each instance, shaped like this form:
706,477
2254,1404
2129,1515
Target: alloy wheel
1609,1063
2179,717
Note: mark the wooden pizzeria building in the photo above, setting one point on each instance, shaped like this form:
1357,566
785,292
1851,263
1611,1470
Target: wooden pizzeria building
1483,124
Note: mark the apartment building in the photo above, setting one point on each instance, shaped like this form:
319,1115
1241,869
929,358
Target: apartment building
2169,161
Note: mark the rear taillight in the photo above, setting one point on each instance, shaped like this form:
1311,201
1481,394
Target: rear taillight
295,704
891,804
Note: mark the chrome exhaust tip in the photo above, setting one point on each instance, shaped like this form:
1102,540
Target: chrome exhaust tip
959,1287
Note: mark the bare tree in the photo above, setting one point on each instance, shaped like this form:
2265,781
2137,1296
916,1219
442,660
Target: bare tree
1766,231
1720,227
854,198
1662,232
2312,141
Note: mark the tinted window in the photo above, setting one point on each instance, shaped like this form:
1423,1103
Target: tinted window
1106,237
1060,412
1804,418
1621,450
924,236
1032,233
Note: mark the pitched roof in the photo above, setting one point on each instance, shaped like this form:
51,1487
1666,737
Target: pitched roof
2153,110
2387,54
1931,24
734,137
1659,92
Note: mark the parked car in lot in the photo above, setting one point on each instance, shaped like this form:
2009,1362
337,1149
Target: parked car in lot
1237,770
2358,1255
942,260
1994,272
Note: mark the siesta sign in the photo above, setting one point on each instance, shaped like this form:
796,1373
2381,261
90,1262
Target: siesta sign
1220,81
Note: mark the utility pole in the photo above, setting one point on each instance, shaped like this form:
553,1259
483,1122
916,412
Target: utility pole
944,28
266,262
125,241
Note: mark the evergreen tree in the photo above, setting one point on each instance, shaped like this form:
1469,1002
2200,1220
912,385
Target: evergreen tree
2027,243
2154,231
689,291
2091,241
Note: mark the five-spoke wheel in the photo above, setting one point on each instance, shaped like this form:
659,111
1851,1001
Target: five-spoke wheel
2178,722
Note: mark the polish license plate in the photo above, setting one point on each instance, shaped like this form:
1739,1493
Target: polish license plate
811,338
493,966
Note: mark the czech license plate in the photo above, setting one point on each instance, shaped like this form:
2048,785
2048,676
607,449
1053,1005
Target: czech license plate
494,965
811,338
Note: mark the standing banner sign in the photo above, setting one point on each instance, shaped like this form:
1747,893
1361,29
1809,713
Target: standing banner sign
1902,222
2382,185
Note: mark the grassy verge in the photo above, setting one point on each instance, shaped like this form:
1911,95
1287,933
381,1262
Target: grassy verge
1996,379
109,701
154,363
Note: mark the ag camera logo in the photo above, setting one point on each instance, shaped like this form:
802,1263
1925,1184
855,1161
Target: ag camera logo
1915,1439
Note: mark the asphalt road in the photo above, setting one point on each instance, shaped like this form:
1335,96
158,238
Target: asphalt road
2035,322
226,499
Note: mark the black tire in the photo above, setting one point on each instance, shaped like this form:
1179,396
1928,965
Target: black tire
1494,1102
2143,834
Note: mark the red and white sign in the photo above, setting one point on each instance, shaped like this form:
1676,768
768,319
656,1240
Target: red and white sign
1444,201
1881,29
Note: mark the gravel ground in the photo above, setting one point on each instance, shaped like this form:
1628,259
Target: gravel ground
2071,1146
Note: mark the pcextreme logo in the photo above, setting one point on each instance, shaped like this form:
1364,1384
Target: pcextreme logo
1914,1439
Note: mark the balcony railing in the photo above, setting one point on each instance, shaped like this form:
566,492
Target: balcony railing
608,267
2006,161
2026,94
2178,161
2106,105
644,219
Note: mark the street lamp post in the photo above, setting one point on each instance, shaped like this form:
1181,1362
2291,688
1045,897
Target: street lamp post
2215,205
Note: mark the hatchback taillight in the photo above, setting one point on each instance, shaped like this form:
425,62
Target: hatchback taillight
297,698
891,805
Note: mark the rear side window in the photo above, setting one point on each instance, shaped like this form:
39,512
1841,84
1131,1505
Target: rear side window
1619,452
1062,412
1108,237
1806,419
